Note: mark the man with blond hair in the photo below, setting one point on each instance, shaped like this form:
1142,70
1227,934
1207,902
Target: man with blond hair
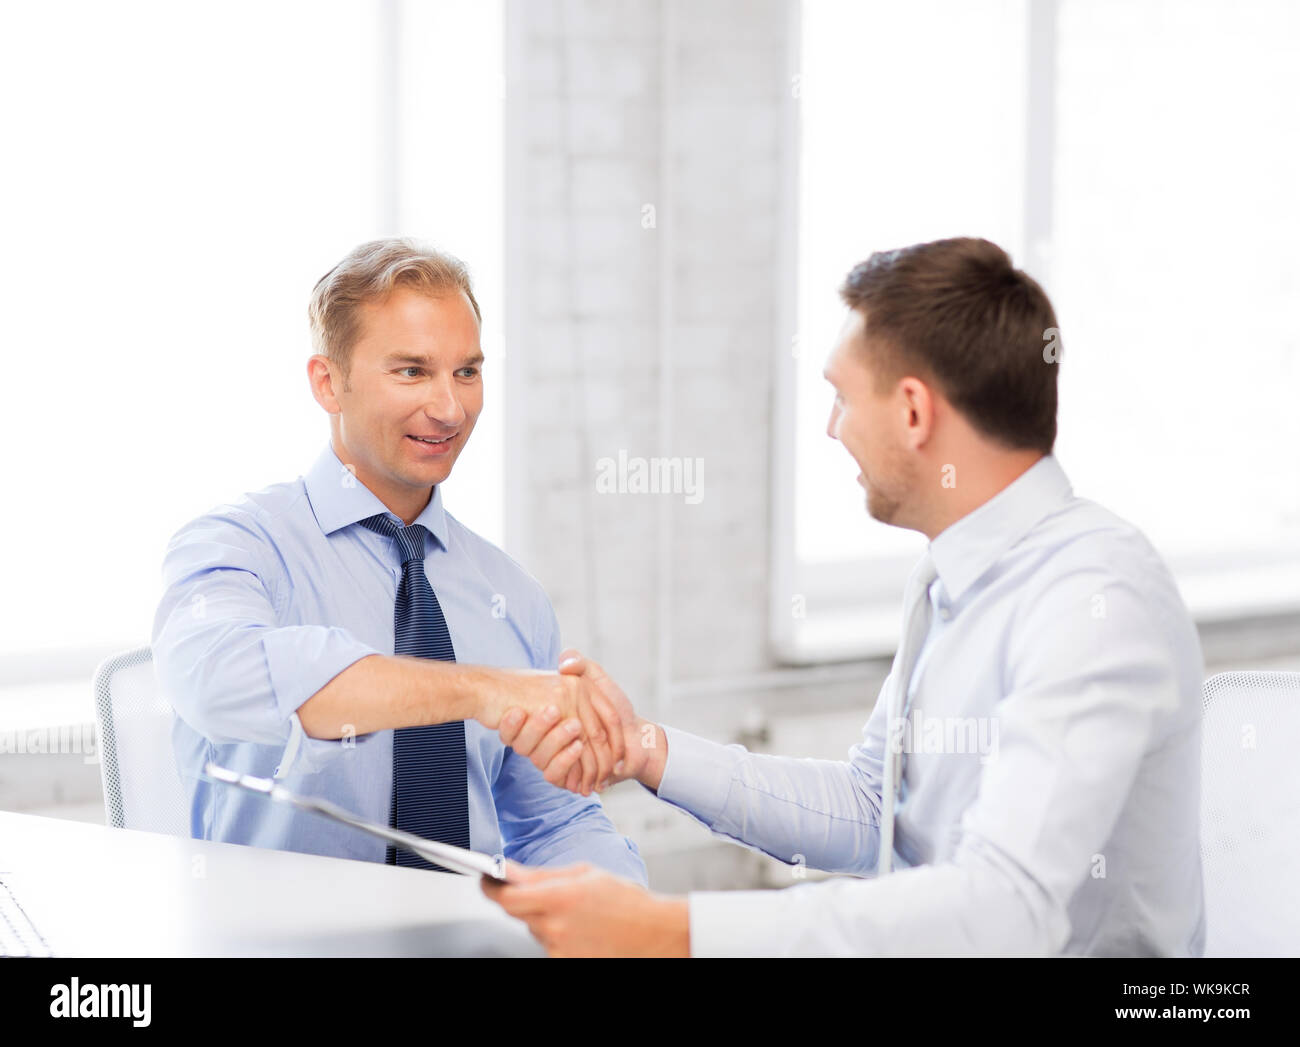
345,634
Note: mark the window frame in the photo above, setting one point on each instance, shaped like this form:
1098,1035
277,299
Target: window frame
849,609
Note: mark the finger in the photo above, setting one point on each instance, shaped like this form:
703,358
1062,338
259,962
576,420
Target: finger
604,687
558,769
560,737
594,672
522,878
519,902
534,899
517,874
590,769
614,725
605,707
613,751
535,728
575,779
511,722
597,742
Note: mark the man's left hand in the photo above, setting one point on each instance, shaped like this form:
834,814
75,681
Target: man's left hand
580,910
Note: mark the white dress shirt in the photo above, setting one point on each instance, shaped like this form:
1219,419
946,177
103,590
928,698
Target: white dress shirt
1051,763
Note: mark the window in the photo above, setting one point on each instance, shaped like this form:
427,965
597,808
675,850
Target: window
1131,156
1176,280
179,176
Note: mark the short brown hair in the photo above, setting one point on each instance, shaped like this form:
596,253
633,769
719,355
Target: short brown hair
956,312
369,273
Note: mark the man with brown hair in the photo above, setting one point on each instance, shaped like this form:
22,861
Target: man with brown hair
1031,768
309,631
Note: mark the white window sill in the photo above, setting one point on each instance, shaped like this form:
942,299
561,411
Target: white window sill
851,633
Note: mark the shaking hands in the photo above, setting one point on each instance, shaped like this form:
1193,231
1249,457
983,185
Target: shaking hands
576,754
580,910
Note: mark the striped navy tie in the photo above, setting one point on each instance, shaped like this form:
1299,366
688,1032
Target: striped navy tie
430,777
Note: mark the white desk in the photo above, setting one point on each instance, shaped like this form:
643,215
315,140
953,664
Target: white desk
95,891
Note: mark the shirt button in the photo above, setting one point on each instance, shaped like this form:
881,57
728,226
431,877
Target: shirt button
945,613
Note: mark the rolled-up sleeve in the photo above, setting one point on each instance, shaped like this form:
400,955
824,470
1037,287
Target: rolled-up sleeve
232,672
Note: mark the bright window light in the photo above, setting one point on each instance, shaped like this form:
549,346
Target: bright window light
1166,244
177,178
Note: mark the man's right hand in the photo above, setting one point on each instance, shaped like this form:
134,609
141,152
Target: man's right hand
572,709
552,752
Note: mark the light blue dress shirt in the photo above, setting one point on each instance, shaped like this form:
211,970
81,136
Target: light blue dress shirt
1050,795
268,599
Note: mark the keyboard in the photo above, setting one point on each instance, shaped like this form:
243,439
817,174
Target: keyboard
18,936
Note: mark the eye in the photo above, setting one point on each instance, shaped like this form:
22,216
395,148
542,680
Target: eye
417,370
468,372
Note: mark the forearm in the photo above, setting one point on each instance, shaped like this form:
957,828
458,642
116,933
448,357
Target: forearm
976,906
820,810
383,692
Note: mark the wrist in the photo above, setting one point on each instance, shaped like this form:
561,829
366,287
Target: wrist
480,694
653,744
673,919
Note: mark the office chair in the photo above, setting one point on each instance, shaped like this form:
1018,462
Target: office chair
1250,813
142,788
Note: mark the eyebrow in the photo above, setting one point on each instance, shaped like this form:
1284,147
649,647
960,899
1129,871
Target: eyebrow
410,359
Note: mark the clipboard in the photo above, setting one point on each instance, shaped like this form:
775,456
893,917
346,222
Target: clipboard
450,857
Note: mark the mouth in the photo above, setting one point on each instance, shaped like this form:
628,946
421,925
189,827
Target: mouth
433,446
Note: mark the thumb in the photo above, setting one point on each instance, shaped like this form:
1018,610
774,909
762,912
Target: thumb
523,874
572,662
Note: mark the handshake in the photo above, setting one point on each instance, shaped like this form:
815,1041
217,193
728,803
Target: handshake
577,728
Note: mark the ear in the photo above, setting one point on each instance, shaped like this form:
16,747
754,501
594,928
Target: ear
320,373
917,403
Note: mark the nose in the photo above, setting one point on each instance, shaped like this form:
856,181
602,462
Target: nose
443,405
832,424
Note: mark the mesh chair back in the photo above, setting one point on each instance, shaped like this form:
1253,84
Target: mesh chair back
1250,813
142,789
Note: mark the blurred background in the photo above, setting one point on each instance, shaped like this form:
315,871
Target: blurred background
657,200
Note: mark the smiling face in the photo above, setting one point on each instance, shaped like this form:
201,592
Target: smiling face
413,394
868,421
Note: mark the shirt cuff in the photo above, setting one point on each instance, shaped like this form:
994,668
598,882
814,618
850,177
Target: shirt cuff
304,658
304,754
698,774
735,923
294,758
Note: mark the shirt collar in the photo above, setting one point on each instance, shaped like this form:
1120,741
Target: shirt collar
965,550
339,499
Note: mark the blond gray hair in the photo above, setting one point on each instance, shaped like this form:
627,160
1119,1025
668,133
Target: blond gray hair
370,273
